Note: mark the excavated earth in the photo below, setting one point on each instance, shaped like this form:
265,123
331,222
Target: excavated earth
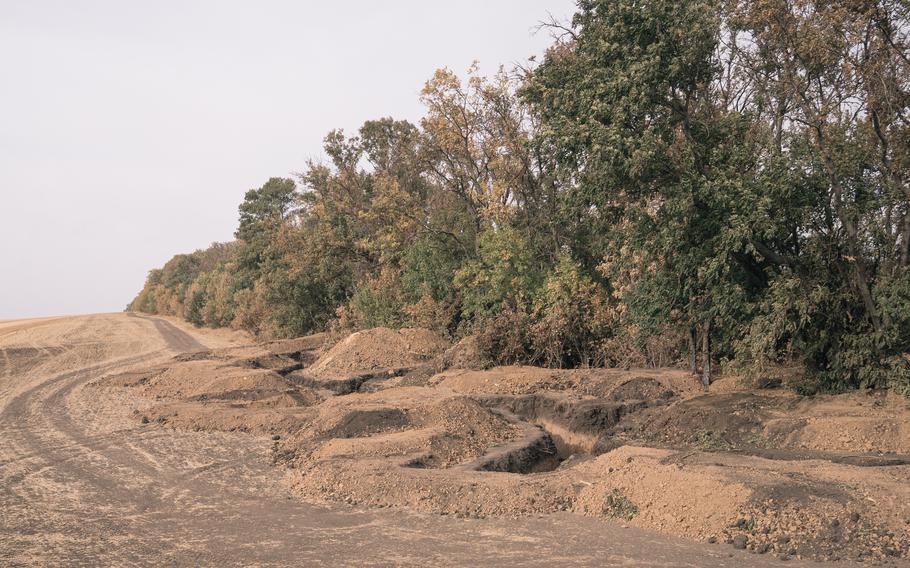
382,422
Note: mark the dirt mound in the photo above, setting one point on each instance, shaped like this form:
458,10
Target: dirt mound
871,422
184,379
378,348
852,427
616,384
369,423
269,415
709,422
295,346
463,430
234,388
465,354
642,388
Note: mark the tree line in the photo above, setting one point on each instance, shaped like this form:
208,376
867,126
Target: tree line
703,183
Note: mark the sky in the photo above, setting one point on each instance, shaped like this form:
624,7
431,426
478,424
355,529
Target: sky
129,131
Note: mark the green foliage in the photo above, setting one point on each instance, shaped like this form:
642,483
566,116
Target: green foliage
503,274
572,316
264,209
724,180
616,505
428,267
378,302
194,307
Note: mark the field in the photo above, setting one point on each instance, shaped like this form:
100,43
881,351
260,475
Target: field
133,440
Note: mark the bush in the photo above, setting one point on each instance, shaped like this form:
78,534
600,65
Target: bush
616,505
428,267
439,315
194,307
571,314
505,338
250,312
504,275
821,328
220,305
378,302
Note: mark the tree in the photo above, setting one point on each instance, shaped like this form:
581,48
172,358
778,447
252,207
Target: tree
629,99
262,214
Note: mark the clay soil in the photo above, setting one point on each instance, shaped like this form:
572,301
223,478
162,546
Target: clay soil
130,440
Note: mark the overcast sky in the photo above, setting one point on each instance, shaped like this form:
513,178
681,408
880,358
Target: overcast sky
129,131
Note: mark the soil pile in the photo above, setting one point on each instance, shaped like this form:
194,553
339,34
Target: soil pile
847,427
603,383
465,354
245,388
764,470
378,348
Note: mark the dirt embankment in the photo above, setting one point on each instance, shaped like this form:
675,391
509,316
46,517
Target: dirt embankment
367,421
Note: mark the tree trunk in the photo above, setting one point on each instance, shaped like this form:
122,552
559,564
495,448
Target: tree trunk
706,356
693,350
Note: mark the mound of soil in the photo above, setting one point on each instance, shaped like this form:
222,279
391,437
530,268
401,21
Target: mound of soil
368,422
184,379
615,384
378,348
237,388
857,425
465,354
277,415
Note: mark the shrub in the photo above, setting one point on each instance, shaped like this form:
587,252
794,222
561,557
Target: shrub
616,505
504,274
378,301
430,313
571,312
428,267
250,312
193,312
505,338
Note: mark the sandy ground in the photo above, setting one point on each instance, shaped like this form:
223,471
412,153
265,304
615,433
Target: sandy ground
85,482
391,419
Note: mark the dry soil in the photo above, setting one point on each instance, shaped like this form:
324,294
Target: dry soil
138,441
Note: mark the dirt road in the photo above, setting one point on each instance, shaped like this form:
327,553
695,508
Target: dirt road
83,483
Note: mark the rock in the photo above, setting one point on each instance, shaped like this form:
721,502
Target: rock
276,437
145,420
712,539
739,542
854,517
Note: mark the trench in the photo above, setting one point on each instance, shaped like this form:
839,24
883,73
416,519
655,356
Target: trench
555,430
